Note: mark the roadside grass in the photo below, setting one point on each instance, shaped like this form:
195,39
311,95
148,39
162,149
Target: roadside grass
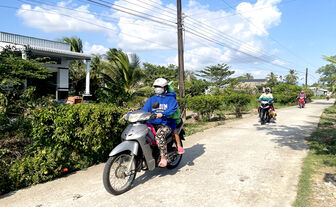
318,97
322,154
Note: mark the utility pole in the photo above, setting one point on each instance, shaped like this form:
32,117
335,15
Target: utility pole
306,77
180,57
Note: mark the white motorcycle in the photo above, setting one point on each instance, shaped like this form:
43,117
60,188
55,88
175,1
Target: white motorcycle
137,151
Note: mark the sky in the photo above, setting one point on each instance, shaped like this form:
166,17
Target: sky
252,36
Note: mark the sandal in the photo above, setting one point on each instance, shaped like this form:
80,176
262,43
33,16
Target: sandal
180,150
163,163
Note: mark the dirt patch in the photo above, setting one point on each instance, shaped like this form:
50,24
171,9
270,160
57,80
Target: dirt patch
324,188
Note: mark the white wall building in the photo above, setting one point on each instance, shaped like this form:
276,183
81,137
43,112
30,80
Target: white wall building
319,91
58,52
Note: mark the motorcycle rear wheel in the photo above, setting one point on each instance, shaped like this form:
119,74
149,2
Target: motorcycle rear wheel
177,158
116,179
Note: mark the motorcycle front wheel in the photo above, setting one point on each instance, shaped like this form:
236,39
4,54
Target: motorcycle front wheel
262,117
119,173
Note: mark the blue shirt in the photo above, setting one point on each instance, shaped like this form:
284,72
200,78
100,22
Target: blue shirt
167,106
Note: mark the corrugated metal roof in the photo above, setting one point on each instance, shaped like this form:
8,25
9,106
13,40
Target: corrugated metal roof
62,52
32,41
42,45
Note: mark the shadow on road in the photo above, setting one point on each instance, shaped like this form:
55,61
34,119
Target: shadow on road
187,160
289,136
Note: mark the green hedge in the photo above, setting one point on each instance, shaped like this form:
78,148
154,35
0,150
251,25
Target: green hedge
286,93
239,101
204,105
65,138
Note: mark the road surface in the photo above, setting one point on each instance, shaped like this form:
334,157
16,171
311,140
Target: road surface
239,164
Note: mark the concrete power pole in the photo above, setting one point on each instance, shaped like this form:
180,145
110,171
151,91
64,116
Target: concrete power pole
180,57
306,77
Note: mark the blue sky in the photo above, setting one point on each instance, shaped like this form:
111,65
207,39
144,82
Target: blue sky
252,36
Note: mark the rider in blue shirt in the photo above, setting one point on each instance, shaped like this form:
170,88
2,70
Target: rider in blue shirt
167,105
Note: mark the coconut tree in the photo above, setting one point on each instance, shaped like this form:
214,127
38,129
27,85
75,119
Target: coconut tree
248,76
292,77
272,79
123,70
77,67
76,44
330,59
329,72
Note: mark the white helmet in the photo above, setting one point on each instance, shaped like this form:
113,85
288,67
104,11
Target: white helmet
161,82
160,86
267,89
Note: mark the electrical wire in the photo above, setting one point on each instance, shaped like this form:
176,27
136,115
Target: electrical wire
45,2
170,16
137,13
276,41
101,26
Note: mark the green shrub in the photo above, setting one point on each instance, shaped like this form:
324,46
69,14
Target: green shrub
239,101
286,93
204,105
65,138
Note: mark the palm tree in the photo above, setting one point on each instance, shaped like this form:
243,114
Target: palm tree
76,44
248,76
124,70
272,79
77,68
330,59
292,77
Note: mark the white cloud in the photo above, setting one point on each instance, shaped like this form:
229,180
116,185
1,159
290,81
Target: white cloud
198,58
94,49
265,15
58,19
279,62
131,33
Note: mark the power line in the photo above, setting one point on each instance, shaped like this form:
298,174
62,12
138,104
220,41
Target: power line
174,10
45,2
134,10
228,38
79,19
225,45
251,10
137,13
261,30
173,15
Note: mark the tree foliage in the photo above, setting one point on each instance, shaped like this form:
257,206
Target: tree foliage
272,79
292,77
217,74
77,68
328,72
153,72
13,73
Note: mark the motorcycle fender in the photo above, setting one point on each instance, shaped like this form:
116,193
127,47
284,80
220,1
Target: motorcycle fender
126,146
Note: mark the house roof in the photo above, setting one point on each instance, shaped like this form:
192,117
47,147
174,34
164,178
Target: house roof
42,46
253,80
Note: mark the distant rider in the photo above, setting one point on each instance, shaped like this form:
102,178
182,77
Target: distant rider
302,94
267,96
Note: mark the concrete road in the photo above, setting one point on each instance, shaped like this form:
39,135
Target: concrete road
239,164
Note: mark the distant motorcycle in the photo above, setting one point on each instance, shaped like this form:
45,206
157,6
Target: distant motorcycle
137,151
265,112
302,102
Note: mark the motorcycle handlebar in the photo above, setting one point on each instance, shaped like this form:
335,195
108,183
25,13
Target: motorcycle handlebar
153,116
